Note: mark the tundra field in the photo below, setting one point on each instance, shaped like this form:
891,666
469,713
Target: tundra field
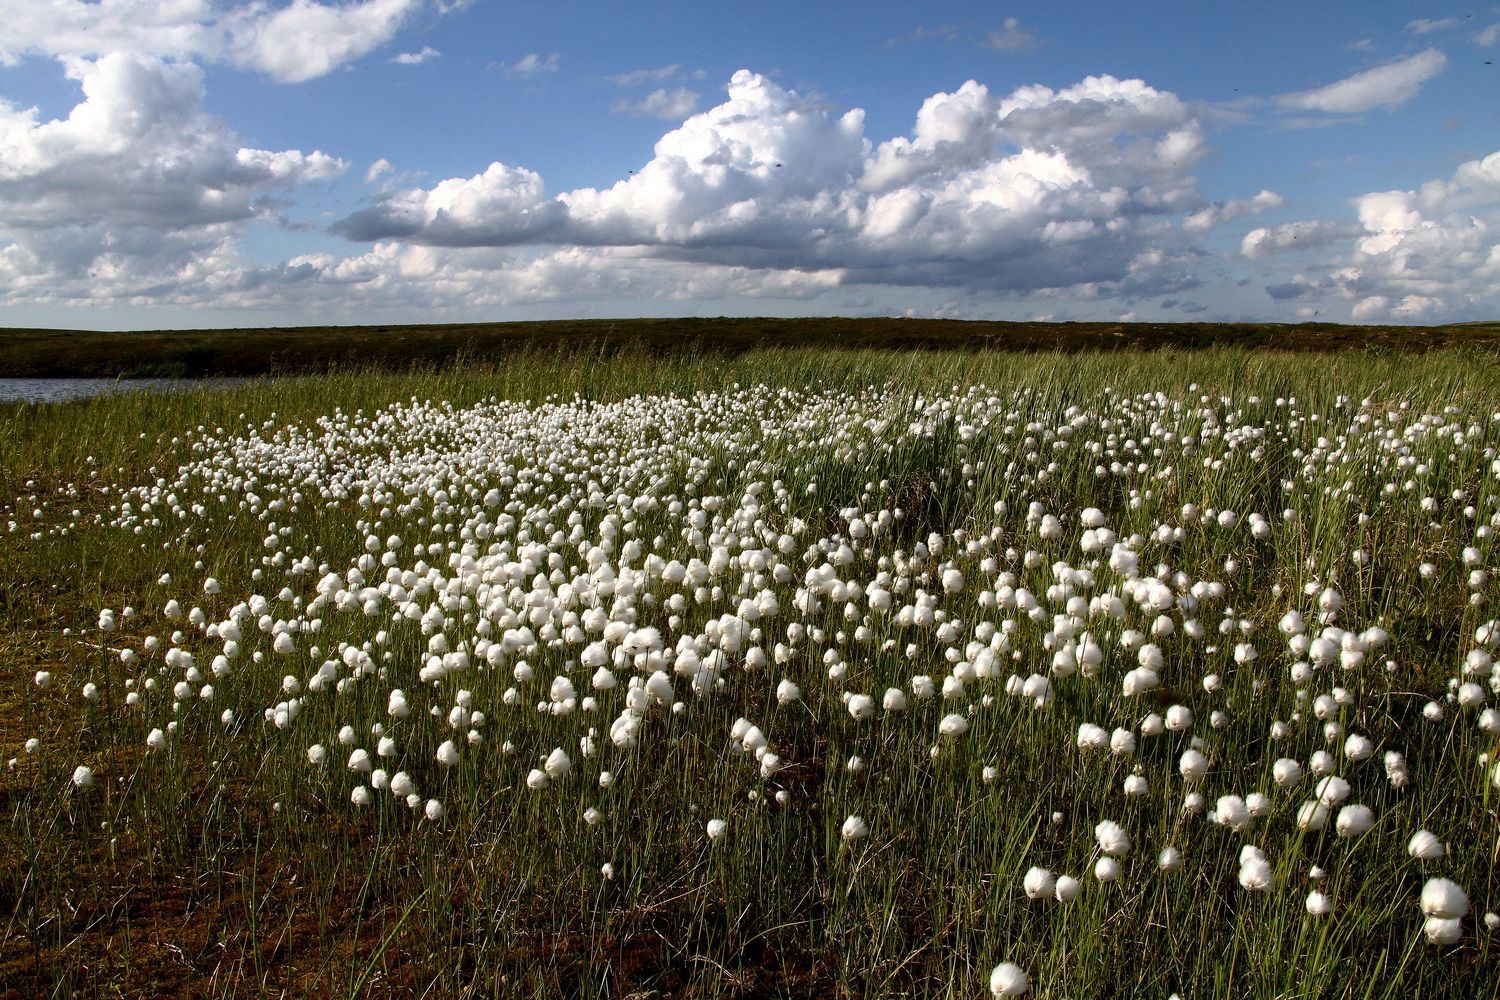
804,673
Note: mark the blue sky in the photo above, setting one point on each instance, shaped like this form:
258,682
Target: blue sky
198,163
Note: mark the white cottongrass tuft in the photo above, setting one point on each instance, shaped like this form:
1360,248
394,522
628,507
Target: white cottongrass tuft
855,828
953,725
1112,837
1038,883
1192,765
1312,816
1008,980
1332,790
1231,811
1444,898
1255,870
1354,820
1425,846
1443,930
1286,772
558,764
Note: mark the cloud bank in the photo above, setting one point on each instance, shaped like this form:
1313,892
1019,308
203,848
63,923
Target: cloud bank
1036,189
138,186
1412,255
1082,196
290,44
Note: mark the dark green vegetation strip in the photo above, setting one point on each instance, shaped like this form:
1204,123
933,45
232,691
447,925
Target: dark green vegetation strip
315,349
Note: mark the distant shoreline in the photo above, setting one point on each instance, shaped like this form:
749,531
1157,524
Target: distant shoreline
249,352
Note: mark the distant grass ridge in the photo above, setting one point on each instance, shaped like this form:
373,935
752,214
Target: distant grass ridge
37,353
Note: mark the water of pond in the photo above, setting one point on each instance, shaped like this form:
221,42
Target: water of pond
54,390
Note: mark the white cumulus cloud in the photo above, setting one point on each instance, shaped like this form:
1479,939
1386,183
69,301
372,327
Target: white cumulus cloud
1220,212
307,39
63,28
639,76
662,103
1036,189
137,191
390,279
426,53
1426,26
138,149
289,42
504,205
1424,254
378,169
531,65
1307,235
1385,86
1012,36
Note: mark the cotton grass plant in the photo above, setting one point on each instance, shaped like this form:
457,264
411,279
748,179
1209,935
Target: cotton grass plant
812,673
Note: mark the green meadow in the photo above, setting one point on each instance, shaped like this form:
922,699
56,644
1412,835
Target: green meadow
1112,591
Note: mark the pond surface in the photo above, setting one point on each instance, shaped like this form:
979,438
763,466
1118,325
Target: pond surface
53,390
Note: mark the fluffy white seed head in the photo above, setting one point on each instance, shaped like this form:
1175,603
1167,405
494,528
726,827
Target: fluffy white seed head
1443,930
953,725
1425,846
1354,820
1038,883
1008,980
1112,837
1444,898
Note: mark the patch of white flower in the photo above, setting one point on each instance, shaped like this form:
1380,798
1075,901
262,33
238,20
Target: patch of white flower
545,599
